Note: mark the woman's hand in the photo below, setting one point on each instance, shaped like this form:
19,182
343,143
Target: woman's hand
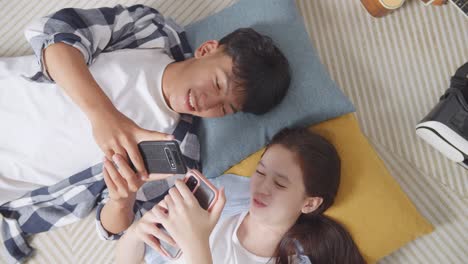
117,134
146,229
185,220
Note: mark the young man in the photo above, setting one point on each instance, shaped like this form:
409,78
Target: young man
112,110
130,75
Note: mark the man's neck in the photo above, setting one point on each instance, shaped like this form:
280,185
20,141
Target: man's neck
167,79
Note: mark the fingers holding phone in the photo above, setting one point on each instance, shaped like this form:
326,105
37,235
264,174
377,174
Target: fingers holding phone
194,207
120,179
218,207
115,133
149,231
157,177
137,156
162,157
192,200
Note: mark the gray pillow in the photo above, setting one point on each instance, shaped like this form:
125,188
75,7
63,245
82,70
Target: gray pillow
313,97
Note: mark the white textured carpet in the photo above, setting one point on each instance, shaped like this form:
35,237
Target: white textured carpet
393,69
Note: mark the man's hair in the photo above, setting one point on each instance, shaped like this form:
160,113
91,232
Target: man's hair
259,67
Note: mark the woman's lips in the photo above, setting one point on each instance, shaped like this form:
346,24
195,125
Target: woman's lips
258,203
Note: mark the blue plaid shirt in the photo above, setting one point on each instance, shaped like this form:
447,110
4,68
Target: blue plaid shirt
92,31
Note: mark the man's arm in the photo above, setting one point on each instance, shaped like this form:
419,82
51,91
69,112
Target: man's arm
113,217
97,30
116,216
66,65
58,40
113,132
117,213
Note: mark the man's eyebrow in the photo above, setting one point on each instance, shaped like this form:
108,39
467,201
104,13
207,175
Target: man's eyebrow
228,83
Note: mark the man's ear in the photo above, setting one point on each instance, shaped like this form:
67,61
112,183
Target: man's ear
206,48
311,204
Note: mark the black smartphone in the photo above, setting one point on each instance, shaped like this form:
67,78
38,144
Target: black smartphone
162,157
205,193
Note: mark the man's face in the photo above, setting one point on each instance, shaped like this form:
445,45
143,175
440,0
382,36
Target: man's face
204,86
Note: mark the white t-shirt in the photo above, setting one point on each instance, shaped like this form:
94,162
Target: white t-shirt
226,247
224,244
45,137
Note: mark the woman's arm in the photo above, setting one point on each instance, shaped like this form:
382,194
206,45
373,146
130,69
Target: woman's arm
198,253
129,249
131,246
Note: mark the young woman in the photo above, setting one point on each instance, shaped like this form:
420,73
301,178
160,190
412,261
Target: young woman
295,182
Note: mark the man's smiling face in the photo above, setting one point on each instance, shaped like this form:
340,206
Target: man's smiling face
203,86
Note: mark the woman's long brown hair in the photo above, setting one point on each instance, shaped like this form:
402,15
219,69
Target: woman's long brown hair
320,238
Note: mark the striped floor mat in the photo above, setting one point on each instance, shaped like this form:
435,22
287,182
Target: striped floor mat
393,69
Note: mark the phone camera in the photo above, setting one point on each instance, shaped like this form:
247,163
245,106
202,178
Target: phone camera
176,157
192,183
170,159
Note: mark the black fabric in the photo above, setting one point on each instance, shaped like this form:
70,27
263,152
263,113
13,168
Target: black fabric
460,80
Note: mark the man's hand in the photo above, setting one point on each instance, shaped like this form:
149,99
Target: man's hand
113,132
117,134
122,181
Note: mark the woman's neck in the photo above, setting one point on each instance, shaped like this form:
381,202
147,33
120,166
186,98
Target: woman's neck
260,238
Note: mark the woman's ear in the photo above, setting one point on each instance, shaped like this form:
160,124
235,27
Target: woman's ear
311,204
206,48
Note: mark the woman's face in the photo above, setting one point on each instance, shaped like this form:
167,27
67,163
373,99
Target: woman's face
277,187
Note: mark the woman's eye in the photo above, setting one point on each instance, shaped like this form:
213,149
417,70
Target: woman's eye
260,173
280,186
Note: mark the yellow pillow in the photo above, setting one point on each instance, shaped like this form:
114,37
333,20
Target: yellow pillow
370,203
